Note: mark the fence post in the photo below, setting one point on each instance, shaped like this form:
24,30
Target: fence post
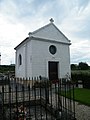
73,102
65,99
51,99
10,100
29,100
3,102
47,91
1,106
40,100
16,103
46,98
23,99
60,99
35,97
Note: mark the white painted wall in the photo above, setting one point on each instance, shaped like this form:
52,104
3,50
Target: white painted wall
35,57
29,59
41,56
20,69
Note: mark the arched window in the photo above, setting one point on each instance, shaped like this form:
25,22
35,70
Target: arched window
20,59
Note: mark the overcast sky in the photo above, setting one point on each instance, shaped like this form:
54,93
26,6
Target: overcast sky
19,17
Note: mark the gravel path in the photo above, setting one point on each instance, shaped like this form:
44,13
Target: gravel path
82,111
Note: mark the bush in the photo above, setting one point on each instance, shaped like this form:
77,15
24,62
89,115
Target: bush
83,76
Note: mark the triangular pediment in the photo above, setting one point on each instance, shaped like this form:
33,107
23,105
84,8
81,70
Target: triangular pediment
50,32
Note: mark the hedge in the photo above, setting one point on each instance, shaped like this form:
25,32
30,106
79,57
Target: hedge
84,76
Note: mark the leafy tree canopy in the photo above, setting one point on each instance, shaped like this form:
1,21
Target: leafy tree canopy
80,66
74,67
83,66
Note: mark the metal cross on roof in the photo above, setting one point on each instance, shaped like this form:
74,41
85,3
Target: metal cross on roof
51,20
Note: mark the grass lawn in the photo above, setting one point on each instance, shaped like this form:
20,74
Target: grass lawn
82,95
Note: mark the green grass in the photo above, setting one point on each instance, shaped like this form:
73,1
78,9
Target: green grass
81,95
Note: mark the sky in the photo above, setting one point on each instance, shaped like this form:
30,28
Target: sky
19,17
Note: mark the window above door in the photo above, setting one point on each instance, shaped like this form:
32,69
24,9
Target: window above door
52,49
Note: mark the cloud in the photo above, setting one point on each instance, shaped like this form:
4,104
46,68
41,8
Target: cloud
19,17
76,27
80,51
11,34
7,55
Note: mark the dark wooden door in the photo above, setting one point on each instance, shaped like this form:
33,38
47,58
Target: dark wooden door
53,70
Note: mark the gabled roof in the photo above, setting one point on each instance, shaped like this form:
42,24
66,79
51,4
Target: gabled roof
48,32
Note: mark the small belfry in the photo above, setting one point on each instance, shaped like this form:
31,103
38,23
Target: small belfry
51,20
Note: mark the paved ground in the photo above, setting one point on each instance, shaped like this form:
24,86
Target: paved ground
82,112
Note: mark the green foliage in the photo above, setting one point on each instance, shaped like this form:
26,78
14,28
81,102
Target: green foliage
83,66
80,66
7,68
83,75
74,67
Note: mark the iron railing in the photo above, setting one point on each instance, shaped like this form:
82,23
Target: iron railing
36,99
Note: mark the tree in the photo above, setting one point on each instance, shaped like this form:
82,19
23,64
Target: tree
83,66
74,67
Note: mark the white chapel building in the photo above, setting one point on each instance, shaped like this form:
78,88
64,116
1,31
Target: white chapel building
44,53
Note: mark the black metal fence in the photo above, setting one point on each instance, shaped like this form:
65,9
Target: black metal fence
36,99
